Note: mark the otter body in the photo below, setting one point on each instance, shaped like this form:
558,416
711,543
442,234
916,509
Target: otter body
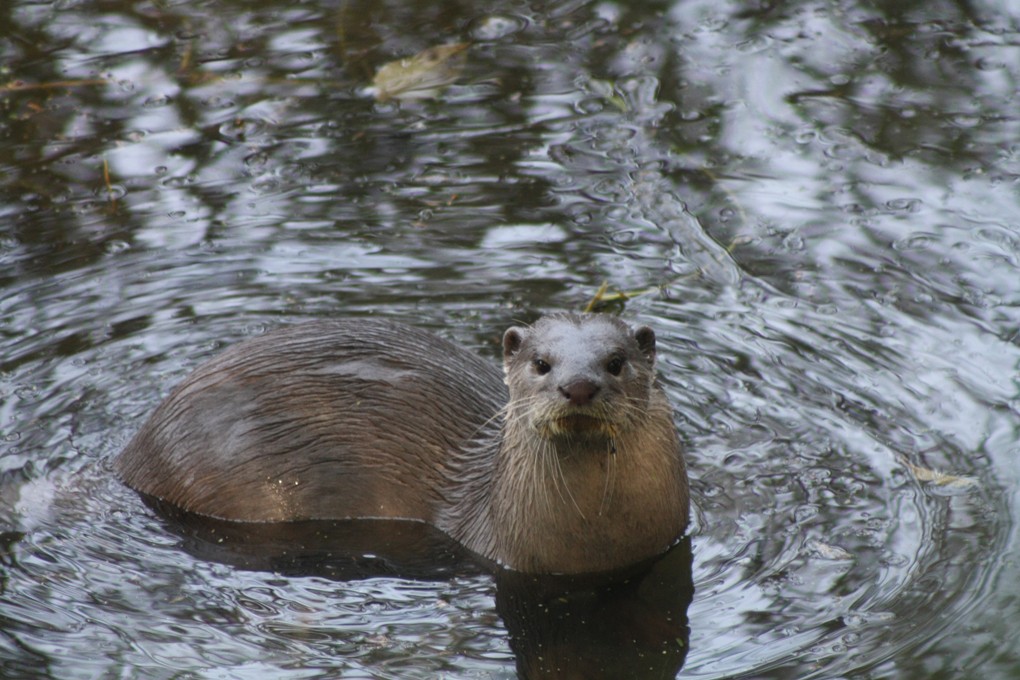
568,462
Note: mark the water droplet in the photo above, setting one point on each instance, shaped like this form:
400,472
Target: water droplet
112,192
806,136
256,160
116,246
909,205
805,513
496,27
241,129
966,121
589,106
625,236
989,65
156,102
267,184
793,243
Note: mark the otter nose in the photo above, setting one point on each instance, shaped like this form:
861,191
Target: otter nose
579,392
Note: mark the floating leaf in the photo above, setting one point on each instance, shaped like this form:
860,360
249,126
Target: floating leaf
607,91
422,76
604,300
828,552
923,474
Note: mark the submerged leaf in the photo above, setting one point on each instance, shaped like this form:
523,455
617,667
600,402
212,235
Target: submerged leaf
422,76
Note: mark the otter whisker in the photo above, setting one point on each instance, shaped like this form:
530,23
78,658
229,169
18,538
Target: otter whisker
561,477
549,462
607,491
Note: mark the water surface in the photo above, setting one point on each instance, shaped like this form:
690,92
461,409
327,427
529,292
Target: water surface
817,202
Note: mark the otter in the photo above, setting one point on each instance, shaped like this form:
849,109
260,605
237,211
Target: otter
566,462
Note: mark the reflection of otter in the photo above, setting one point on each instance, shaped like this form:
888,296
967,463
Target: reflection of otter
576,469
631,623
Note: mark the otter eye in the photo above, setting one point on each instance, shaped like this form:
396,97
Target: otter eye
541,366
615,365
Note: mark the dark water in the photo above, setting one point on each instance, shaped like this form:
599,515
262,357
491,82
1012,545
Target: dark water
821,199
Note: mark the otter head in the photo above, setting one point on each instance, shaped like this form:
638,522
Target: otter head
579,376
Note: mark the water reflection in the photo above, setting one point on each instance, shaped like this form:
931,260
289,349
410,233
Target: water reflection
634,626
826,194
631,624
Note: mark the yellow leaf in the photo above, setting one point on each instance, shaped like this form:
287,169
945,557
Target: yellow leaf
422,76
923,474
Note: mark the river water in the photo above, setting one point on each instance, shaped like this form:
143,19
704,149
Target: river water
815,204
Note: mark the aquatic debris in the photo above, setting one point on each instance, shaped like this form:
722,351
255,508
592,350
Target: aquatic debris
20,85
110,191
608,92
923,474
827,551
604,300
422,76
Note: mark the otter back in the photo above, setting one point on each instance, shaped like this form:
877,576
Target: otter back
326,420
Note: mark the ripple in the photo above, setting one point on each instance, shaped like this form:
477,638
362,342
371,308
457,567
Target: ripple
815,217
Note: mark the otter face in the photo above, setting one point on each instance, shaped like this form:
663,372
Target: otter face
579,376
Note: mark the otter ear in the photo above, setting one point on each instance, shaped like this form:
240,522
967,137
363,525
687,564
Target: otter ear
645,337
512,341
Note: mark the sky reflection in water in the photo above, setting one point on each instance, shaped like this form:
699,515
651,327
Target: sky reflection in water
827,195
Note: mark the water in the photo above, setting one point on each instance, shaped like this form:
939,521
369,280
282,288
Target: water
817,200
